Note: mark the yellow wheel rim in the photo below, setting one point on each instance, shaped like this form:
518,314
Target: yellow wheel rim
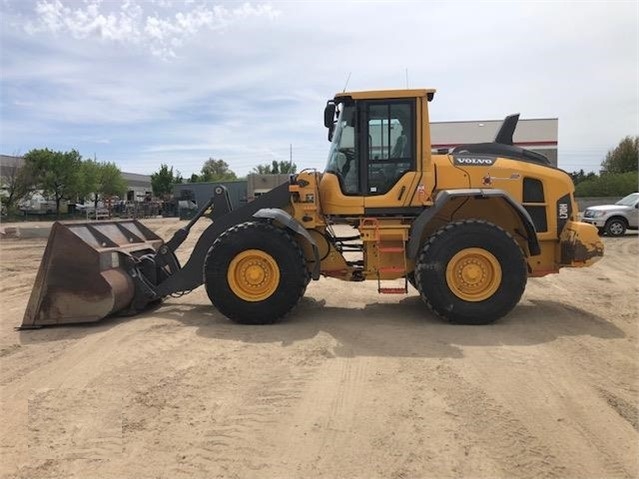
473,274
253,275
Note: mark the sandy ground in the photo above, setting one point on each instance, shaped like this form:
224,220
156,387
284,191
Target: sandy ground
350,385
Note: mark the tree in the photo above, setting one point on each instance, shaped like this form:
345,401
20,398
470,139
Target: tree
88,186
163,180
100,179
285,167
623,158
55,172
264,169
610,184
16,183
581,176
216,170
111,181
277,167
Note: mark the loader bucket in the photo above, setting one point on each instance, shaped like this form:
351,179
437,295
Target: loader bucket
83,275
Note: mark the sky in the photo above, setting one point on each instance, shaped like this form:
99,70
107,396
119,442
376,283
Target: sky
141,83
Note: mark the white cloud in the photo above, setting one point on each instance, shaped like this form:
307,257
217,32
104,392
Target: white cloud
162,35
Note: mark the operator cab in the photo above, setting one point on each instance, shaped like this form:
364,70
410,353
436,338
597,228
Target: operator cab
375,151
372,144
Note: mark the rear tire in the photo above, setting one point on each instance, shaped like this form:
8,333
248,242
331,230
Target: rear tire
471,272
615,227
255,273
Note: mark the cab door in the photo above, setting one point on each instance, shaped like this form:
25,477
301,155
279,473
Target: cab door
388,150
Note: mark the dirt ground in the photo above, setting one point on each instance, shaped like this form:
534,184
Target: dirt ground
351,384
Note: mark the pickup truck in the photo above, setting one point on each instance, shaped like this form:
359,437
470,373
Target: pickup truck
614,220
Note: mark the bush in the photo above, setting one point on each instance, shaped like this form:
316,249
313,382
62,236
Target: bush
609,184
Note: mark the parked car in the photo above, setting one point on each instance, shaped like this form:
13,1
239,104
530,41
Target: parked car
614,220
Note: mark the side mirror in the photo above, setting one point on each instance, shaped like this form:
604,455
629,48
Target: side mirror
329,114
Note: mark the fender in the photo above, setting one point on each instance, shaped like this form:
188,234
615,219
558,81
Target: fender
445,196
292,224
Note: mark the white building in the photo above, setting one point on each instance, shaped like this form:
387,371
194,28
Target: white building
537,134
138,186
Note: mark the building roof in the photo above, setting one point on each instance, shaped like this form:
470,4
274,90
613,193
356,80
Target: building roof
136,177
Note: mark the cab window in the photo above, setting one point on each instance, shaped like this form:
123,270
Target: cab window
390,145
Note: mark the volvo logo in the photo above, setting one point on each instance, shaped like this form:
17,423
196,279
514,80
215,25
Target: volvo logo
473,160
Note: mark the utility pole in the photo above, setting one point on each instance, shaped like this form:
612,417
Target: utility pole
290,157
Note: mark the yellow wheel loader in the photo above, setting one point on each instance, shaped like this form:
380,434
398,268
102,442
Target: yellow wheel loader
465,227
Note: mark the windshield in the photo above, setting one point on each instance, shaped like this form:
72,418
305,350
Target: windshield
629,200
343,139
341,156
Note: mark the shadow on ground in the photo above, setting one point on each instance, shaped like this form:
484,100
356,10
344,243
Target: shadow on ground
403,329
399,329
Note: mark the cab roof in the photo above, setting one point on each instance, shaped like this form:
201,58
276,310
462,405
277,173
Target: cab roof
383,94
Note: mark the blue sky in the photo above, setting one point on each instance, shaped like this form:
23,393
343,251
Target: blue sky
147,82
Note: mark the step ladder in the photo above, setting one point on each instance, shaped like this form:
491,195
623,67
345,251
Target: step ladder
389,242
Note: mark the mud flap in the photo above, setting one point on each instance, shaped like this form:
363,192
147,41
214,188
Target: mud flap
83,275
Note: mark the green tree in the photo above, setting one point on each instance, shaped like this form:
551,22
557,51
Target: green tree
111,182
101,179
16,183
264,169
88,184
216,170
611,184
194,178
276,167
162,181
286,167
581,175
56,173
623,158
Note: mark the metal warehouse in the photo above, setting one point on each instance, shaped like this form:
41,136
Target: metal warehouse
536,134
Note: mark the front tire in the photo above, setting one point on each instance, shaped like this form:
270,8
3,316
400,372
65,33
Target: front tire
411,279
255,273
615,227
471,272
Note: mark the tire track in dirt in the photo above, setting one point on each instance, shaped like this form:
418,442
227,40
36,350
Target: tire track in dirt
73,364
512,446
230,425
245,427
87,422
325,420
593,358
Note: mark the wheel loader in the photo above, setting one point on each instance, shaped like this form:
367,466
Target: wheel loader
466,227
